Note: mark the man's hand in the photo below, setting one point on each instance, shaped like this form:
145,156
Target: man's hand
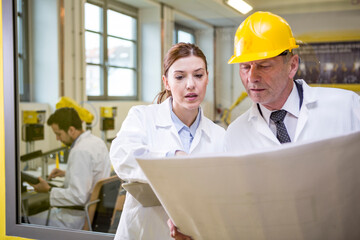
42,186
56,173
174,233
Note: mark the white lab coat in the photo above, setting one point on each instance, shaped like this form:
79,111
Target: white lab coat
149,131
325,113
88,162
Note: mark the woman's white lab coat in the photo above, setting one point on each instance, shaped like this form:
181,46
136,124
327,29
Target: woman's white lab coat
325,113
149,131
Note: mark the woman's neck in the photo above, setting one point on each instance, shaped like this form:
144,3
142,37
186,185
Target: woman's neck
187,116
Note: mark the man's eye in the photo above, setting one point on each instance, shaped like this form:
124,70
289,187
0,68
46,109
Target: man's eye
264,66
244,67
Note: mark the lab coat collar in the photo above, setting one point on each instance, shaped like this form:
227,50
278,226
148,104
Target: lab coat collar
309,93
81,136
163,119
163,116
309,101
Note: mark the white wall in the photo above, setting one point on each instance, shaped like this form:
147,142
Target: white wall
150,53
44,53
74,51
123,108
205,40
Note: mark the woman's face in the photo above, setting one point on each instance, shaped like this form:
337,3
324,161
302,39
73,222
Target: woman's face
187,80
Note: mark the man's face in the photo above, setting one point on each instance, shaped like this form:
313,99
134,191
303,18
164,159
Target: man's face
61,135
269,81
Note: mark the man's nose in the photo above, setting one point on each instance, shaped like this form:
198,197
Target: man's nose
253,74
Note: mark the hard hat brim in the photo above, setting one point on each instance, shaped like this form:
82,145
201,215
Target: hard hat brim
256,56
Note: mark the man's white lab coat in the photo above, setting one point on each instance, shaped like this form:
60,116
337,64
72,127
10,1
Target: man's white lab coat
88,162
325,113
149,131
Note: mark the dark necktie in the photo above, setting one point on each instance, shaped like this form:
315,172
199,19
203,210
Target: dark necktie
281,132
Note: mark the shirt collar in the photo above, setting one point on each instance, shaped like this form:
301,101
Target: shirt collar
179,125
291,105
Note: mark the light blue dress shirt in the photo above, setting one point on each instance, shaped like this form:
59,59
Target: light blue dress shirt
186,133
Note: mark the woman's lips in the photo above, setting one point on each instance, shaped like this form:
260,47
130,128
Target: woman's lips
191,96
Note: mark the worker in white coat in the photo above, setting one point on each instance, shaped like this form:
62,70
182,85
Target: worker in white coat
172,127
88,162
283,110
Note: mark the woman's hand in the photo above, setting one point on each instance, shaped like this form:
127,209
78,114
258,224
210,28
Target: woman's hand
180,153
174,233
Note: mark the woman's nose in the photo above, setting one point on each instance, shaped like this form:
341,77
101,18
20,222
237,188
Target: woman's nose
190,83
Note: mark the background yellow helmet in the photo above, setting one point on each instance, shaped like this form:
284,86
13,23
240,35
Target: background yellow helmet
262,35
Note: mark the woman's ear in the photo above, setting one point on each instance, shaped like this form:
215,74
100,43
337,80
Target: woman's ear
166,83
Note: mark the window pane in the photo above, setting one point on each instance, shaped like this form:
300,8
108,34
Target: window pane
121,82
92,47
92,17
121,52
94,86
121,25
20,35
185,37
21,75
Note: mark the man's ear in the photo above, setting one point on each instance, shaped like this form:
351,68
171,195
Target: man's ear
166,83
71,131
294,65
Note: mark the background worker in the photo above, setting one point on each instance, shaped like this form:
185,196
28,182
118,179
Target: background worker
283,110
176,125
88,162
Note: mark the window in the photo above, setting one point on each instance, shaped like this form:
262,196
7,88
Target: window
22,47
111,52
183,34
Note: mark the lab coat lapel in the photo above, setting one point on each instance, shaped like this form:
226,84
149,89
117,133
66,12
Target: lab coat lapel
308,103
202,131
260,125
163,120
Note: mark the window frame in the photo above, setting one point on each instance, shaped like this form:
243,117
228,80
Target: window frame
12,184
104,62
178,27
25,97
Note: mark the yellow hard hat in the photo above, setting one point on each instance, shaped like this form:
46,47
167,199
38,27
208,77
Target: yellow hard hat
262,35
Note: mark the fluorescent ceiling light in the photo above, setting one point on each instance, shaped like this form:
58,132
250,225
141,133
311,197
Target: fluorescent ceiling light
239,5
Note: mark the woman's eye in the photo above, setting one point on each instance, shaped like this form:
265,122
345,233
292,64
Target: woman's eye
178,77
198,75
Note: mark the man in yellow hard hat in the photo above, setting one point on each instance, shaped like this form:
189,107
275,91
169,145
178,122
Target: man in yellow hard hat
263,48
283,110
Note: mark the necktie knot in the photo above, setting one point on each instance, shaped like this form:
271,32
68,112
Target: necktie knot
278,116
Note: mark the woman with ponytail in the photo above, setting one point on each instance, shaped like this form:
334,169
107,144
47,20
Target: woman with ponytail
175,125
